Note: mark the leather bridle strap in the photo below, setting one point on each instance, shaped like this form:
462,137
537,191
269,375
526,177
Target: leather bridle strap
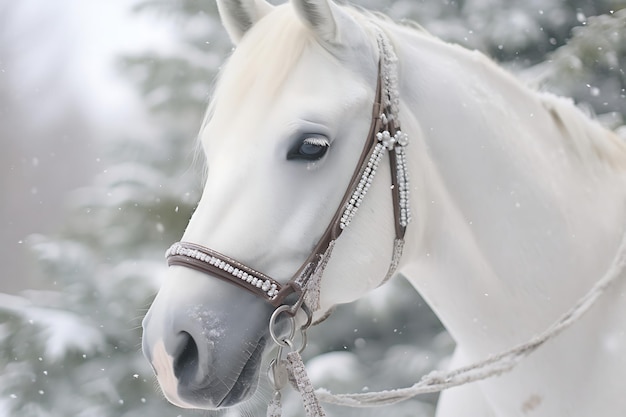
384,134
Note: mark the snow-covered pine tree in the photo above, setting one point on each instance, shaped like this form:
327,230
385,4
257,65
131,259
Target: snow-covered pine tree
74,348
592,66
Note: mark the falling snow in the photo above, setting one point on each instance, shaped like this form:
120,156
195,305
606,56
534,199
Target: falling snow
78,337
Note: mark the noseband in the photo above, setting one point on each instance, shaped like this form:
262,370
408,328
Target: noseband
384,135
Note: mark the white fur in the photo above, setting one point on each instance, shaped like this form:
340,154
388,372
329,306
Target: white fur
519,201
520,216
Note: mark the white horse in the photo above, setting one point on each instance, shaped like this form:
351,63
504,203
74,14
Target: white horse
518,202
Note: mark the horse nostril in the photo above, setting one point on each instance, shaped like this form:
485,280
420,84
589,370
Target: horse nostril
187,361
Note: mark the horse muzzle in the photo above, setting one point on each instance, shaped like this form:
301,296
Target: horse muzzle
206,348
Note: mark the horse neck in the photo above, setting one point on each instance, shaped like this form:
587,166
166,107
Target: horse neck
508,231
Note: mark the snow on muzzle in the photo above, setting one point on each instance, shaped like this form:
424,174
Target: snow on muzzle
205,340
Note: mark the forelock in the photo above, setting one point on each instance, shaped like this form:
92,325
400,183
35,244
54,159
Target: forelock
262,61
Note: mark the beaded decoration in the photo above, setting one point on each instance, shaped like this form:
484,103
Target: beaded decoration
266,285
390,138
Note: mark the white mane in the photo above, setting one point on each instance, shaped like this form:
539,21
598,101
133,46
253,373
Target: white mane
262,61
588,140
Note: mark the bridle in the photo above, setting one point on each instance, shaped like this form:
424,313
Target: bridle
384,135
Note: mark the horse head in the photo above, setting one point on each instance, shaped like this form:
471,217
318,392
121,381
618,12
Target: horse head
283,134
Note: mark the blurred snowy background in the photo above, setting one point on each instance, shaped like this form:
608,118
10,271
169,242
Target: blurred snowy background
99,106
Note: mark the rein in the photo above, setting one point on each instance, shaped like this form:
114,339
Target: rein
494,365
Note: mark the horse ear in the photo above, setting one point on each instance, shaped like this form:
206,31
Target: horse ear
327,20
238,16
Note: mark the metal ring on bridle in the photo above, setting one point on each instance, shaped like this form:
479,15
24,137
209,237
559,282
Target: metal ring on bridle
288,340
292,330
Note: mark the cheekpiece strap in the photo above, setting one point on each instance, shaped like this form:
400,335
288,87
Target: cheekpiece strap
392,136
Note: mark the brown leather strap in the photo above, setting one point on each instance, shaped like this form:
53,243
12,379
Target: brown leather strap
211,262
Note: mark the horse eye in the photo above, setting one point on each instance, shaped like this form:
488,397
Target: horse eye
310,149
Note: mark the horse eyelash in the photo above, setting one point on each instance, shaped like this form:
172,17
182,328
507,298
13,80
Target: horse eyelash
316,141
